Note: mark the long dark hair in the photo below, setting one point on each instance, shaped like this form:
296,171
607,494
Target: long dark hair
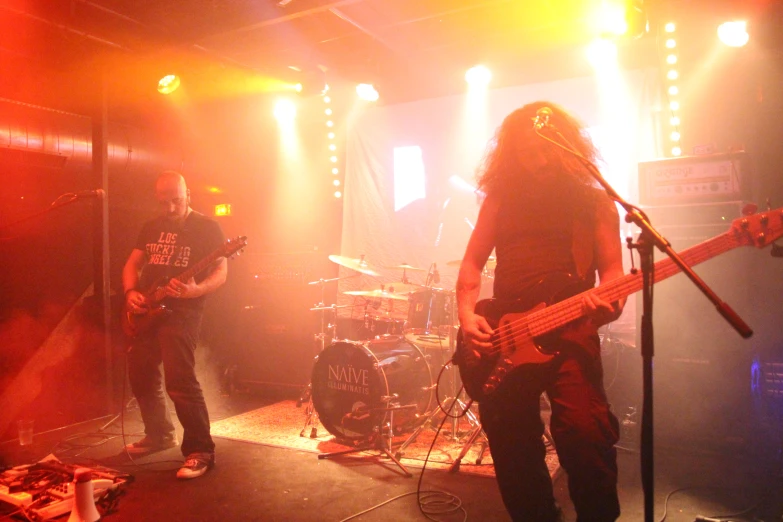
500,167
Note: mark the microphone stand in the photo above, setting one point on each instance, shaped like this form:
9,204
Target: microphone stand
648,239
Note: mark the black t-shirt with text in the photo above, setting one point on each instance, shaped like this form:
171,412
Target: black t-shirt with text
171,248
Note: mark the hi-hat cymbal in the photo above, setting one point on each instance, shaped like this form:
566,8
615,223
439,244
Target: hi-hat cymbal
382,294
491,262
405,266
360,265
329,307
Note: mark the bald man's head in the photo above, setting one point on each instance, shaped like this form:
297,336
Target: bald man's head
173,195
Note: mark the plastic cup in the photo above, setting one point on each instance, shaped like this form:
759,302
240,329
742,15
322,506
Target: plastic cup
25,432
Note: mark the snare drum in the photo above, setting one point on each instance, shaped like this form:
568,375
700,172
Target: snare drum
351,379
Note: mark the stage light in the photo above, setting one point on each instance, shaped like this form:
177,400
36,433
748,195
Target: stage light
671,59
336,183
335,171
669,27
330,123
169,84
328,112
332,147
478,76
338,194
223,210
285,110
671,43
330,135
675,136
611,19
367,92
298,87
733,34
601,53
674,120
327,99
672,74
674,90
333,159
674,105
676,151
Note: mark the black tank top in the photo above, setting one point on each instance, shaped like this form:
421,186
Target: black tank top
535,225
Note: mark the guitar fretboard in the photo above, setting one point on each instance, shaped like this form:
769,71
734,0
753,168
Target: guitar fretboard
559,314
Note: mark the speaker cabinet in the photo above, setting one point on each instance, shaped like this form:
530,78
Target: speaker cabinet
702,367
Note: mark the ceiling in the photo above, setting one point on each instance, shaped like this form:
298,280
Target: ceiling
408,48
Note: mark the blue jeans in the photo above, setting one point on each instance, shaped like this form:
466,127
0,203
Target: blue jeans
172,343
582,426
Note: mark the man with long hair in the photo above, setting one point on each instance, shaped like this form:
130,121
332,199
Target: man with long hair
549,225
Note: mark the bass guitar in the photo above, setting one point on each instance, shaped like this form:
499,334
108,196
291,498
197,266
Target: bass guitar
523,327
135,323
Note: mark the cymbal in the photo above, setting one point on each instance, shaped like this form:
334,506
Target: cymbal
378,294
491,262
360,265
329,307
406,267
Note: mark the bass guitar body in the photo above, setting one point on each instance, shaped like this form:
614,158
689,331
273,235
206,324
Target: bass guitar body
513,342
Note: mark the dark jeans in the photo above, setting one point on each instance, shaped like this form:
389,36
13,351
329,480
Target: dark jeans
583,428
172,343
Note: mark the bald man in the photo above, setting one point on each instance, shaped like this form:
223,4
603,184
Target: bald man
178,238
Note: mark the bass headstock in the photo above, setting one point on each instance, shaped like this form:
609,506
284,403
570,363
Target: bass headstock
758,230
234,246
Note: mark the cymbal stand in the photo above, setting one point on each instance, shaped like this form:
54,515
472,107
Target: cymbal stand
311,416
382,435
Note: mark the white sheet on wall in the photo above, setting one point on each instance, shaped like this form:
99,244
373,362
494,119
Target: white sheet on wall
432,147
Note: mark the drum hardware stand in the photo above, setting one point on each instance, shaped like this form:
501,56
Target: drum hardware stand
469,415
311,416
382,435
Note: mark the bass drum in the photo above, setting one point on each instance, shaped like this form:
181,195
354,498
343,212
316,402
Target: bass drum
350,379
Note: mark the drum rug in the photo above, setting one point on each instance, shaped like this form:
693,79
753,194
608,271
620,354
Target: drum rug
280,424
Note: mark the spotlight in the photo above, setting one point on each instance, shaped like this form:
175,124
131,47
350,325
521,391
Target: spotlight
733,34
335,171
674,105
671,59
601,52
367,92
333,159
672,74
330,123
478,76
298,87
674,120
669,28
168,84
328,112
285,110
330,135
327,99
336,183
674,90
676,151
332,147
611,19
338,194
675,136
671,43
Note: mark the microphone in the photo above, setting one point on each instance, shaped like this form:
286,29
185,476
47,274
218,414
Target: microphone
97,193
542,118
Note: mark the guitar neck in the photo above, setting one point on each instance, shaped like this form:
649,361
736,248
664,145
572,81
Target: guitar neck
559,314
199,267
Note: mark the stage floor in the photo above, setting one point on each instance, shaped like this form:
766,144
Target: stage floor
260,482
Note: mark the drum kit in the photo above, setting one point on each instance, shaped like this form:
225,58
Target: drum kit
382,384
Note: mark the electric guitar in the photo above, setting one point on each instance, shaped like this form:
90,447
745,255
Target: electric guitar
523,327
136,323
